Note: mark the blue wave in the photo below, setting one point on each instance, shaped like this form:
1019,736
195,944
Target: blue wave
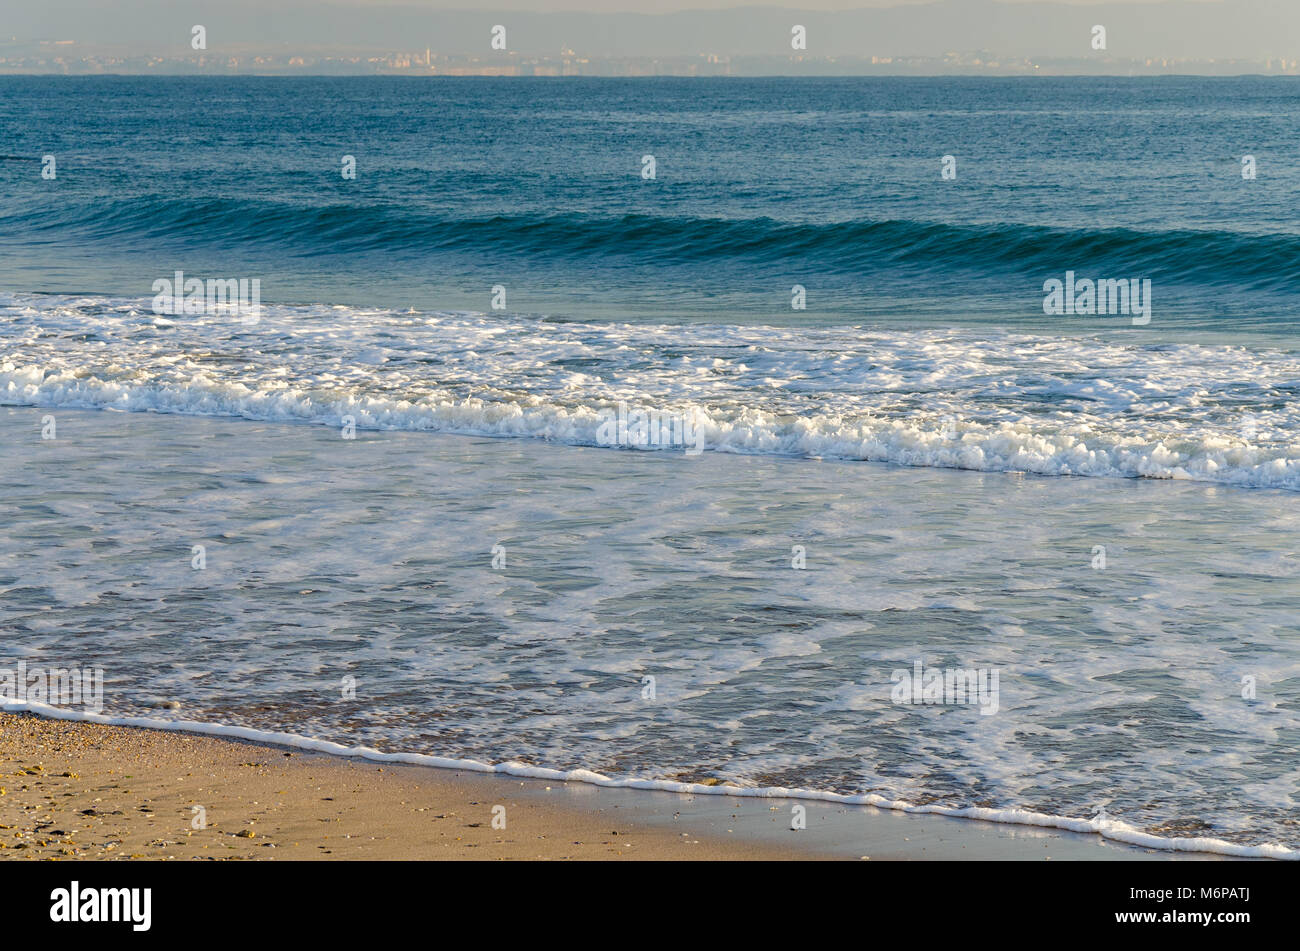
1202,258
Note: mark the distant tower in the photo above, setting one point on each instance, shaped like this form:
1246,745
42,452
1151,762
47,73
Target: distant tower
427,60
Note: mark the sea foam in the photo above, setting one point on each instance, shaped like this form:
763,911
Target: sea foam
988,401
1105,827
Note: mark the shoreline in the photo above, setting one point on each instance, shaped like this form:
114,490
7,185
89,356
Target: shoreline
72,789
78,789
856,825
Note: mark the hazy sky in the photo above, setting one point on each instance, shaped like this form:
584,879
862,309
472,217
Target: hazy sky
666,6
1187,30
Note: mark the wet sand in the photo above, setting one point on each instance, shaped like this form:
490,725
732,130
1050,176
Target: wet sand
77,790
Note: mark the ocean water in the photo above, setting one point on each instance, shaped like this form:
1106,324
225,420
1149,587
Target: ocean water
946,461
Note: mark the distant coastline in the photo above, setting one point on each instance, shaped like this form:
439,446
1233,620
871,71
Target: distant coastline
706,65
943,37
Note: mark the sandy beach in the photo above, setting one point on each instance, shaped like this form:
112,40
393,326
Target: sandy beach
75,790
89,791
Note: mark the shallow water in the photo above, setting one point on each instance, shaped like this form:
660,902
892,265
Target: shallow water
371,558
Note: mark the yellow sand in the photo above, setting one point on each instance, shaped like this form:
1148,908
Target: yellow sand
87,791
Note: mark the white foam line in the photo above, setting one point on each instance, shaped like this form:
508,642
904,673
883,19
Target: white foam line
1108,828
921,442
